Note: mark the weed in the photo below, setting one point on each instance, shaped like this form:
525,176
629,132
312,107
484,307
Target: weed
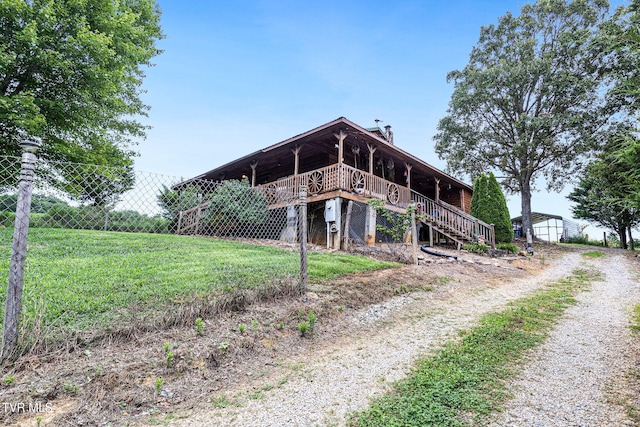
255,325
309,324
199,326
223,346
242,327
9,380
159,384
170,357
593,254
303,327
478,248
70,388
340,308
38,421
221,401
312,319
257,395
509,248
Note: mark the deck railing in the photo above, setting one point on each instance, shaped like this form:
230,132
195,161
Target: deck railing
453,220
338,177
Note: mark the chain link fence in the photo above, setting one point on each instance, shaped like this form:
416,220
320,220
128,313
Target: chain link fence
93,197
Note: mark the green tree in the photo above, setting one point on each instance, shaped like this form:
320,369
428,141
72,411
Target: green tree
235,204
530,102
173,201
607,193
620,38
70,75
488,204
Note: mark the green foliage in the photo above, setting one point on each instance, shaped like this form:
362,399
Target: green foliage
489,205
159,385
478,248
233,204
199,326
463,383
531,101
223,346
593,254
308,325
242,327
172,202
91,280
70,74
582,240
508,247
399,222
608,193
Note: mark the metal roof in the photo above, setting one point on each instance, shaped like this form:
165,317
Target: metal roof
537,217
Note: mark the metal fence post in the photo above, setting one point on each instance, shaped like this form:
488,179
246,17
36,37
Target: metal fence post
302,223
18,250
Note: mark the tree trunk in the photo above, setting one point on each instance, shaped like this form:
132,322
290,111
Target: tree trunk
525,193
632,245
622,233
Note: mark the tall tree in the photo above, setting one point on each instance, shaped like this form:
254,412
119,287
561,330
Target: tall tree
529,102
70,74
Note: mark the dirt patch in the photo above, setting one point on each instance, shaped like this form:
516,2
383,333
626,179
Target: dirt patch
165,374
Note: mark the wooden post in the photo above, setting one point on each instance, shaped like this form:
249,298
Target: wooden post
437,180
430,235
296,153
409,167
372,150
341,136
18,253
302,223
370,226
347,226
253,172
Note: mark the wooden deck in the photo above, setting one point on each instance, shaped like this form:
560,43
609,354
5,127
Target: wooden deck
338,179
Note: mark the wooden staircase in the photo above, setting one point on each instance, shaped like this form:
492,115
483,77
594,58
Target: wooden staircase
452,222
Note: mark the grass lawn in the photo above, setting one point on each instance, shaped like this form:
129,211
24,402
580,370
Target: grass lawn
79,279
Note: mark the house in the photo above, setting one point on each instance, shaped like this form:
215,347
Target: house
341,162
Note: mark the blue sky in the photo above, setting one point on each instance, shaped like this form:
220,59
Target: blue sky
239,75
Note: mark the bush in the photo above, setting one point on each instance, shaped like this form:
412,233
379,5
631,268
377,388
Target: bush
7,219
582,240
508,247
478,248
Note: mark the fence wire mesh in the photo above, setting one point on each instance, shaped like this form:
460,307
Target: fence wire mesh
94,197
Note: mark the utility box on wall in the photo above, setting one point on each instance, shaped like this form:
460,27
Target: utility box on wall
330,210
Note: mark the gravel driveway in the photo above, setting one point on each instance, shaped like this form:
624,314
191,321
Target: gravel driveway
563,385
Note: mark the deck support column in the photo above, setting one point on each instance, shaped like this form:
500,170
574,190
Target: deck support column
409,167
370,226
253,165
372,150
296,153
